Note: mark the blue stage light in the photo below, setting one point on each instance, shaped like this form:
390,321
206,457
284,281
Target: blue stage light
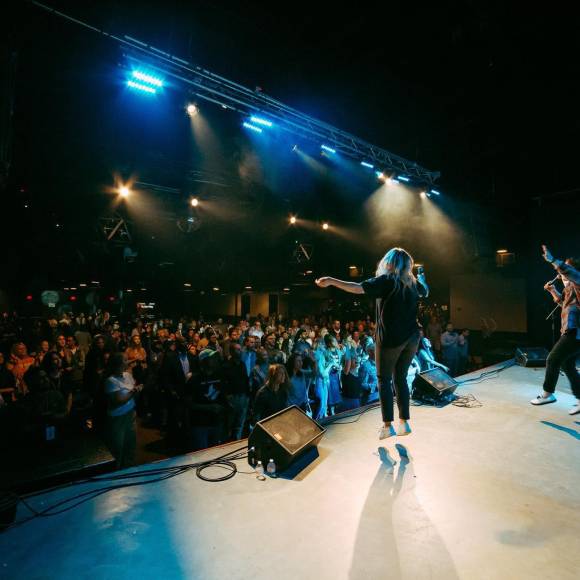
252,127
141,87
260,121
147,78
365,164
403,178
435,192
329,149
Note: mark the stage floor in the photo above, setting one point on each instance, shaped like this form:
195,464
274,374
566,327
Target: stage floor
487,493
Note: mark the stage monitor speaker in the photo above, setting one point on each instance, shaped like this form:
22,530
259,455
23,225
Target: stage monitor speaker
534,356
284,437
433,384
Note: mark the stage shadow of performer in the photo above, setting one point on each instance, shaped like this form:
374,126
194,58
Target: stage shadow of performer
572,432
395,537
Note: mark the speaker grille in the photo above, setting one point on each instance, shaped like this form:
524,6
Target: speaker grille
439,379
291,428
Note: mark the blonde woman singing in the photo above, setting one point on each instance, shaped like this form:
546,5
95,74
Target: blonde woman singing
397,294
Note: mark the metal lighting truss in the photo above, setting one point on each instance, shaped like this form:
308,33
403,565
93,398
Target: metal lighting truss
231,95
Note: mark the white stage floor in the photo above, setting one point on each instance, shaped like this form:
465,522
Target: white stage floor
487,493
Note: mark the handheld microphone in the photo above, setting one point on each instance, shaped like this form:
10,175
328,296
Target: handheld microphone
552,282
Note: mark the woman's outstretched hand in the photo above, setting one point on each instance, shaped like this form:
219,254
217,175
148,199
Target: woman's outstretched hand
323,282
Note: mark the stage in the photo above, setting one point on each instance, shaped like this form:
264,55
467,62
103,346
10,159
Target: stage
486,493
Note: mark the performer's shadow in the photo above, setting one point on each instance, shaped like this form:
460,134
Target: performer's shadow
395,537
572,432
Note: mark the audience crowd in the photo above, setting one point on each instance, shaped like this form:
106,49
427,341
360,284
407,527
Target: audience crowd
200,383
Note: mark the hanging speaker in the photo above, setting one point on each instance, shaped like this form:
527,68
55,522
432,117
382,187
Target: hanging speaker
284,437
433,384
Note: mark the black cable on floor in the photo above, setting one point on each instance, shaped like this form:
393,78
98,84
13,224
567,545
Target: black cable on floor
127,480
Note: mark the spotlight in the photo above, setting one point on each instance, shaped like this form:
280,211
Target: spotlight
141,87
286,289
216,289
423,195
192,110
295,148
124,191
248,287
365,164
147,78
325,226
435,192
502,252
252,127
380,175
260,121
194,202
328,149
293,219
403,178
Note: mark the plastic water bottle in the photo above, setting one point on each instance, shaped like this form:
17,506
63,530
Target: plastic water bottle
271,468
260,469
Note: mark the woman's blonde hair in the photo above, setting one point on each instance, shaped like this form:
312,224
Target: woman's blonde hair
397,263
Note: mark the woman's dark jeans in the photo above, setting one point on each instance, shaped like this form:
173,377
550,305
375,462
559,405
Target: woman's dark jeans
395,362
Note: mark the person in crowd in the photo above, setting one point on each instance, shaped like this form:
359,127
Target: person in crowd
462,351
176,372
60,346
95,363
259,373
285,342
248,354
567,349
336,331
273,396
369,382
121,390
354,356
213,343
256,330
233,338
236,387
449,342
137,359
434,331
52,365
20,362
301,345
425,355
7,381
43,348
300,380
328,365
397,294
207,406
275,356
